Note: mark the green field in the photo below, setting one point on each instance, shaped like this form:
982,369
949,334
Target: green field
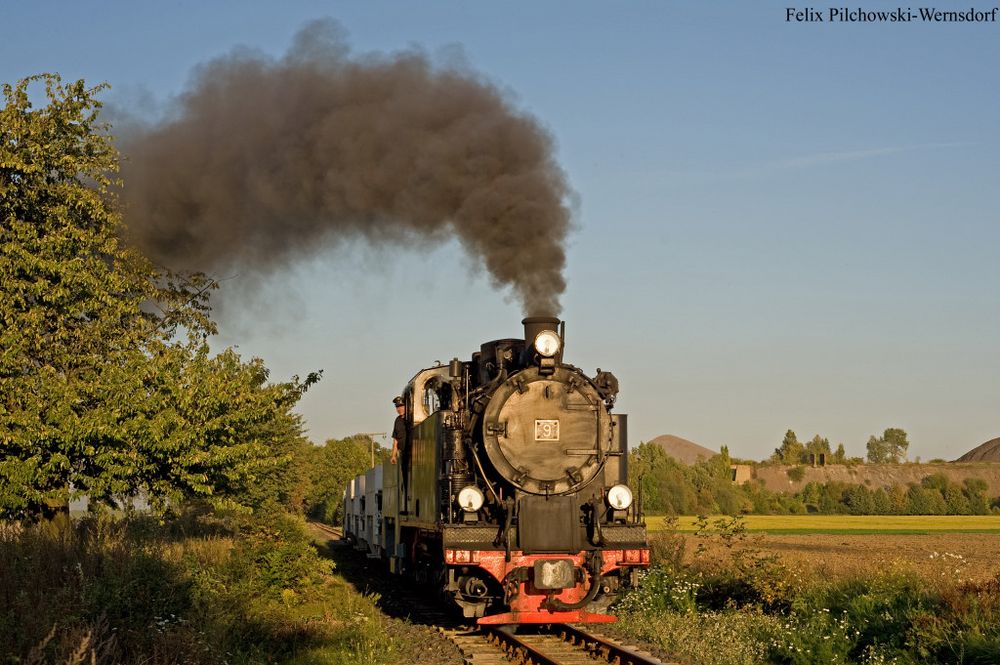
850,524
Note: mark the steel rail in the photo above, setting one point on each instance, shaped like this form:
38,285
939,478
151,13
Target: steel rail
567,645
475,646
610,650
519,650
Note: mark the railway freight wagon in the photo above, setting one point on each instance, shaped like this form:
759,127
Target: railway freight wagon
510,495
363,521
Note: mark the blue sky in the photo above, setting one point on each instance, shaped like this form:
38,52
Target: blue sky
779,225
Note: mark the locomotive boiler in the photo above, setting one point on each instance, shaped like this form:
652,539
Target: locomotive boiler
510,495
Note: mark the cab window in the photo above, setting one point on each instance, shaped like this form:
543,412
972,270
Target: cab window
431,401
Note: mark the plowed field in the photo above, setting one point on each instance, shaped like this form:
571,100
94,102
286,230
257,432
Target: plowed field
831,546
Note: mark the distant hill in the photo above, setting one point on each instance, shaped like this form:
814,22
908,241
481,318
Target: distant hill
988,452
682,450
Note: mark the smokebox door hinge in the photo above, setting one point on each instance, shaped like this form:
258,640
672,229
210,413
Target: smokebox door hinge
498,429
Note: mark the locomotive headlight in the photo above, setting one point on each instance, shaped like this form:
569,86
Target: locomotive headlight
547,343
620,497
470,499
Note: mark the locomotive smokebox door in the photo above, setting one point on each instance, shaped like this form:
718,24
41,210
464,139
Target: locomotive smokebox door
547,434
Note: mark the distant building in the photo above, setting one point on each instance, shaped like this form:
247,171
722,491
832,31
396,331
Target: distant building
741,473
817,459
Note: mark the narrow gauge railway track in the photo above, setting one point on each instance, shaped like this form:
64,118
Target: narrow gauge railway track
555,644
331,531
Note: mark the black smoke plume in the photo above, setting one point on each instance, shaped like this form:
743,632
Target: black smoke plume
263,161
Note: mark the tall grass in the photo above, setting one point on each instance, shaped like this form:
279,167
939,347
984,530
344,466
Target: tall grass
745,607
136,590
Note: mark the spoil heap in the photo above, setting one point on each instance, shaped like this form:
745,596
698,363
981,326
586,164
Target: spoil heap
988,452
682,450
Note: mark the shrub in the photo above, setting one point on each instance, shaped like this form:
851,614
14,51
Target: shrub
666,547
877,613
966,626
275,559
773,616
814,637
707,638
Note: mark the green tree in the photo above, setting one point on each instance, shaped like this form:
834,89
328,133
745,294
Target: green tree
975,490
898,500
860,501
107,386
71,311
648,468
214,427
957,500
817,446
923,500
668,486
790,451
878,451
671,487
333,465
881,504
897,443
811,495
890,448
833,498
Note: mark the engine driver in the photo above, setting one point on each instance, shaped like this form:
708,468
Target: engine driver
398,429
401,446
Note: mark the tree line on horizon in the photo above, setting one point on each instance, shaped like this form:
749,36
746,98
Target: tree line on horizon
890,447
669,487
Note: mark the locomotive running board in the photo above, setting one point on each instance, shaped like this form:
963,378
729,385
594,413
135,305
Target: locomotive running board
546,617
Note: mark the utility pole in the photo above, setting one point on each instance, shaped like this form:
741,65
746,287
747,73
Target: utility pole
371,439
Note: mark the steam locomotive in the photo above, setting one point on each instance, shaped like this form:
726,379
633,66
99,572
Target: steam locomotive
510,495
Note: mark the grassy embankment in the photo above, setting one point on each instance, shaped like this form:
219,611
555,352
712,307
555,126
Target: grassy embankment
197,591
845,524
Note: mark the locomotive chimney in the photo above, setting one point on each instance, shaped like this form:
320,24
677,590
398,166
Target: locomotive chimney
536,324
